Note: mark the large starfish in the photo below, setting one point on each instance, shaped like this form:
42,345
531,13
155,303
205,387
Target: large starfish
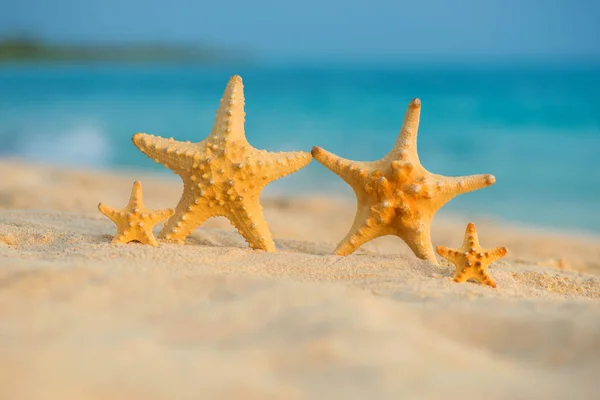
223,174
397,195
471,260
135,222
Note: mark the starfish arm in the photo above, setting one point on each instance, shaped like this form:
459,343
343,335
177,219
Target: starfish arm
359,234
453,186
160,215
449,254
230,116
465,272
419,241
175,155
460,275
108,211
406,144
497,254
486,279
120,238
250,222
368,224
136,200
471,240
146,237
151,240
352,172
269,167
190,212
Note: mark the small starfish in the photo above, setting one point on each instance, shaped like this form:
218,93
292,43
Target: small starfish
135,222
397,195
223,174
471,260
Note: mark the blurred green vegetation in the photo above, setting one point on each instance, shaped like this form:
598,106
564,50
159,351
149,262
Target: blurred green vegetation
26,49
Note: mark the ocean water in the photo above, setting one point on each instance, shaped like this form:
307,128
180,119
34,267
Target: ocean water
536,128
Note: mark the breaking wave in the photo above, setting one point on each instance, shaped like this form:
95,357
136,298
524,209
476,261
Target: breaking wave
80,144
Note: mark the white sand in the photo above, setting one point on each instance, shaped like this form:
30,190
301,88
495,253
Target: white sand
83,319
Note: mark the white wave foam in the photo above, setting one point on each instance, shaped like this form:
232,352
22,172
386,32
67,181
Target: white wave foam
81,144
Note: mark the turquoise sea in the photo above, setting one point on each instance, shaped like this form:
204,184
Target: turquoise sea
537,128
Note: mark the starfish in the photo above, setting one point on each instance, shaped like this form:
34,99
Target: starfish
471,260
396,195
135,222
223,174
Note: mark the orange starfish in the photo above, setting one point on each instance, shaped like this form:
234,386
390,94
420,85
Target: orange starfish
135,222
397,195
223,174
471,260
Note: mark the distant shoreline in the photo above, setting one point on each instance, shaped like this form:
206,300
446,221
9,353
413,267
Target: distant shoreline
26,50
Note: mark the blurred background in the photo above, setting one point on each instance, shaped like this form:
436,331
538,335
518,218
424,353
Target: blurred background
508,87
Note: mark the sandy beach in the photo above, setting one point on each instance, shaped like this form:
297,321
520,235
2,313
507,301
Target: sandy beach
83,319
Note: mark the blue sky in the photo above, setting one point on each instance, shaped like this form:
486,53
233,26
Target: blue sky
325,29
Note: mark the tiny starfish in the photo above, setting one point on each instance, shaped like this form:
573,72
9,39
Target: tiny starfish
135,222
396,195
223,174
471,260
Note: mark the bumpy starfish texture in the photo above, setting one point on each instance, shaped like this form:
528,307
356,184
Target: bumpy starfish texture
223,174
471,260
396,195
135,222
